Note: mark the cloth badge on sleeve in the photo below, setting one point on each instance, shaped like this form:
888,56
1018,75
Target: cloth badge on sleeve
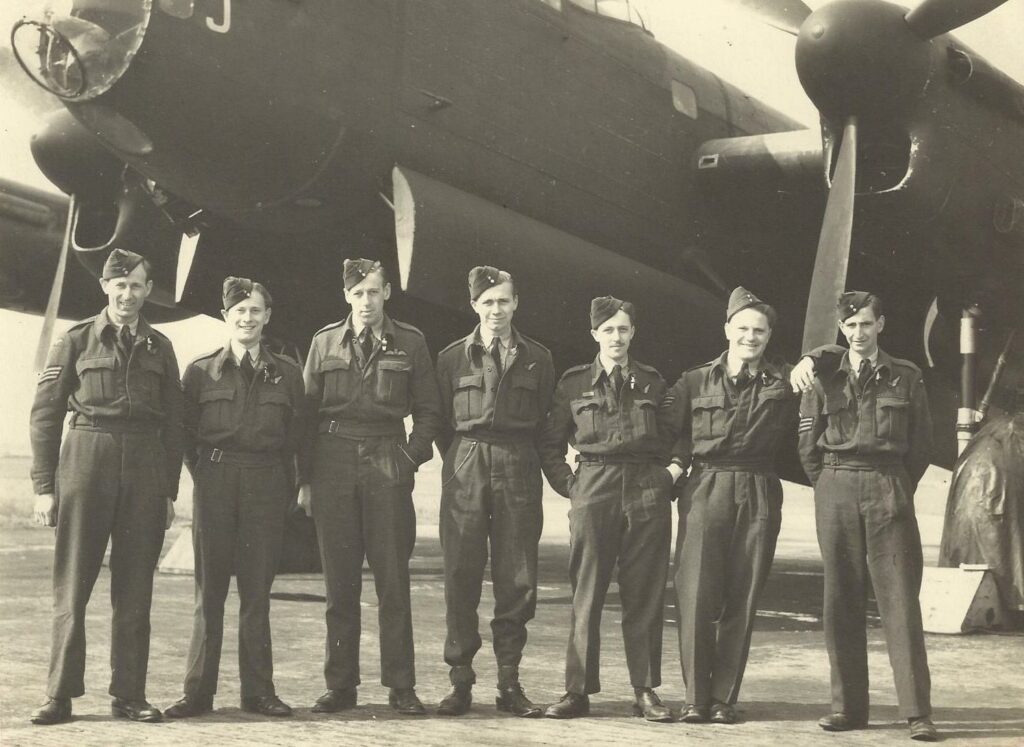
50,373
806,424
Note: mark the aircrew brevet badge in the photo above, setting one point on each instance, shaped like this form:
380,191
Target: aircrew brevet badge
49,373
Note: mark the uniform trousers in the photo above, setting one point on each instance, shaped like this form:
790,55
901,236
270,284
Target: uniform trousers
239,512
867,529
613,521
362,508
491,493
729,522
111,486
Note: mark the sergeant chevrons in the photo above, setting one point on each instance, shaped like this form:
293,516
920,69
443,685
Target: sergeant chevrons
242,440
865,451
119,462
88,374
361,475
491,491
729,515
619,513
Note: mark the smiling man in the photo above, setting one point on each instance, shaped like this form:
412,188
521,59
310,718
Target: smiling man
620,508
363,376
865,437
116,477
496,386
243,408
728,418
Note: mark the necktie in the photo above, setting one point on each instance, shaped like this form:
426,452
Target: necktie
616,378
126,339
248,369
743,377
496,353
367,344
864,374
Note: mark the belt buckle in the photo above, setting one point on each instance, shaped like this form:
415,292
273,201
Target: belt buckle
332,427
832,458
215,455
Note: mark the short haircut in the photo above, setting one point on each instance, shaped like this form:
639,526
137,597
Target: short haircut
262,290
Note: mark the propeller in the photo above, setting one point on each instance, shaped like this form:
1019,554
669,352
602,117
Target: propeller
53,302
833,254
935,17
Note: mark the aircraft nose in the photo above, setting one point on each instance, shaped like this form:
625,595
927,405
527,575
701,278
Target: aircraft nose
860,58
78,49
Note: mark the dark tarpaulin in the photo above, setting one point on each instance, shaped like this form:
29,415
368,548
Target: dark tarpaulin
985,511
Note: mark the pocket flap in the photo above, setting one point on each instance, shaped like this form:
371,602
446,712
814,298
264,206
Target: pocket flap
274,397
86,364
470,382
524,381
775,392
152,363
386,364
579,405
835,403
709,402
645,403
212,395
888,400
335,364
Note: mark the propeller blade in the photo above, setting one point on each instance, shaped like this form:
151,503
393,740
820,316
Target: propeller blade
934,17
53,302
833,256
785,15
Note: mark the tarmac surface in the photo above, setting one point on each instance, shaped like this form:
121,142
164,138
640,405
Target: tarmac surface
978,680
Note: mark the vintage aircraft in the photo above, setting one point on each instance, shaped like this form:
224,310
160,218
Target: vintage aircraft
557,138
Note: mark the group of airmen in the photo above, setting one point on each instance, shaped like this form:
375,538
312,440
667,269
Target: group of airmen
254,430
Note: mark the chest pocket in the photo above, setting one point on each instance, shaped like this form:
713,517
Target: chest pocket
772,404
588,416
274,410
468,400
393,382
644,418
337,377
146,375
96,379
215,410
892,415
840,420
523,395
710,417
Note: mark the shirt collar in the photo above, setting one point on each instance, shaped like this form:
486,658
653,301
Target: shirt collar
386,331
608,366
475,339
103,323
852,360
239,350
227,355
597,370
767,370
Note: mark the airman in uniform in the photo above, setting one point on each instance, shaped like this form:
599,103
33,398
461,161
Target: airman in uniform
113,479
620,508
728,418
865,437
363,376
496,385
243,423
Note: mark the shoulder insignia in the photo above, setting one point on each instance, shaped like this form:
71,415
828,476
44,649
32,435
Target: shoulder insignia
806,424
50,373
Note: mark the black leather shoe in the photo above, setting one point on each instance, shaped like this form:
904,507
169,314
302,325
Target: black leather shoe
840,721
695,714
570,706
405,701
135,710
53,711
333,701
723,713
266,705
189,706
457,701
922,729
513,700
649,705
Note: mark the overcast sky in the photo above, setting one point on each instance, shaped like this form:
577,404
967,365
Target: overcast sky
731,43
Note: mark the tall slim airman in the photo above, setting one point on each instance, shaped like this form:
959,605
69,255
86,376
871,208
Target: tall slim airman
363,376
496,386
243,423
113,479
865,438
620,508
